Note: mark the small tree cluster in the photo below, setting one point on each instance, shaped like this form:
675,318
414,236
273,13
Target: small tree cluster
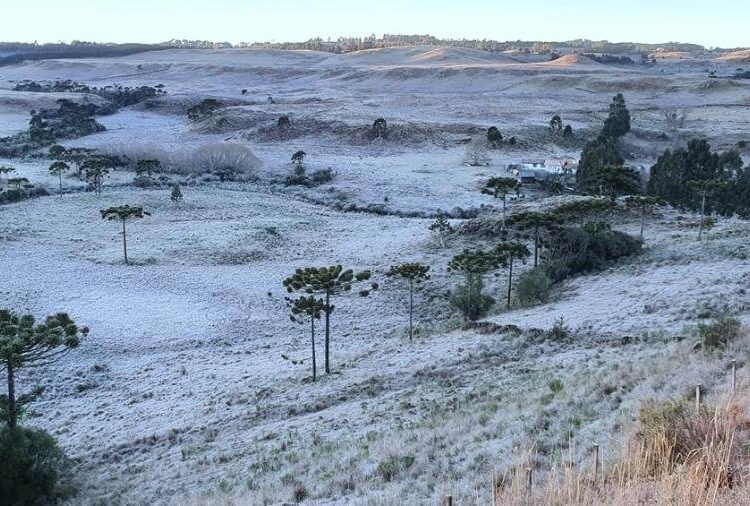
413,274
324,283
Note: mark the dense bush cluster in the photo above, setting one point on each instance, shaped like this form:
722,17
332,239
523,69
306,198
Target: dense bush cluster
533,287
69,121
11,195
574,250
32,468
674,175
120,96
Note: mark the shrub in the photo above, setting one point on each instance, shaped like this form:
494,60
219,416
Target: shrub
12,195
573,250
392,466
299,493
143,182
299,177
469,299
533,287
720,332
322,176
560,330
32,467
227,160
555,385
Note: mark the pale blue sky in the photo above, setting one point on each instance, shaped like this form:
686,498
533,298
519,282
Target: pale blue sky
722,23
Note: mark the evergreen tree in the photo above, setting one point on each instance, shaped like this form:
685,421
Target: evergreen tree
5,170
615,180
57,152
704,188
617,123
56,169
674,170
380,129
176,195
494,137
474,265
500,187
597,154
307,307
536,223
414,274
298,158
328,282
510,251
124,213
555,124
442,226
96,169
642,203
24,343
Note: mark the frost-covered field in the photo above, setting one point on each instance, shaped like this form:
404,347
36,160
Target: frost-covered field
187,389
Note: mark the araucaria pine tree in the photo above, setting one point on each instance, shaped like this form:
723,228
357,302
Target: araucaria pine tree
500,187
413,274
57,168
309,307
536,224
642,203
5,170
442,226
96,169
474,264
328,282
298,158
124,213
705,189
510,251
24,343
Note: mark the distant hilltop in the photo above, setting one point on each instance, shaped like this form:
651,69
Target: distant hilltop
14,52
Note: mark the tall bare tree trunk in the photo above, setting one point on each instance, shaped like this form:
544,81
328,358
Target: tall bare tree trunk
12,415
510,279
411,309
312,336
124,242
504,201
328,332
703,217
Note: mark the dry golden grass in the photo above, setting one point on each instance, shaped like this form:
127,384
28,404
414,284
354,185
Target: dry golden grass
679,455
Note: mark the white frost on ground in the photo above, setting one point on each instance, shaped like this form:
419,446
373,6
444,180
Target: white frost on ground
181,387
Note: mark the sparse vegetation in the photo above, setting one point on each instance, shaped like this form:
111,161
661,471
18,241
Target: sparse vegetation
328,282
124,213
413,274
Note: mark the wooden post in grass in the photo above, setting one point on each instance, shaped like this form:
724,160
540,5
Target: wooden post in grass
734,376
529,479
449,500
698,398
596,462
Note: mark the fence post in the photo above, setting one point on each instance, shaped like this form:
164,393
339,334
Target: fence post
698,398
734,376
596,462
529,478
449,500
